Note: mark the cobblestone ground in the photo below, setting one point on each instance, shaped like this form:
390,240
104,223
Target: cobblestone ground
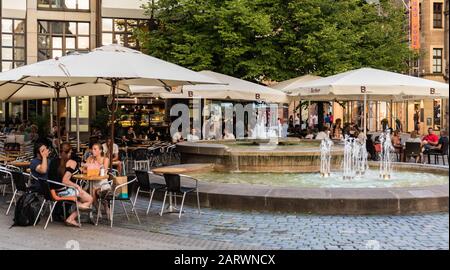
219,229
309,232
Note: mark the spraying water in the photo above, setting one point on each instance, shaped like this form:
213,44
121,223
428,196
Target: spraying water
325,157
386,155
348,170
355,158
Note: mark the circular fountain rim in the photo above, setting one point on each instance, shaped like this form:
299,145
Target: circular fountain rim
330,201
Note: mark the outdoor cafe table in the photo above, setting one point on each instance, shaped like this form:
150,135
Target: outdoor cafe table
183,169
20,164
90,180
6,159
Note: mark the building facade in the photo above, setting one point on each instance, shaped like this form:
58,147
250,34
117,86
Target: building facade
36,30
433,63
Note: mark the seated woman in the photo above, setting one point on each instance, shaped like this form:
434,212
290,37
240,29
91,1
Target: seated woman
396,139
62,171
99,161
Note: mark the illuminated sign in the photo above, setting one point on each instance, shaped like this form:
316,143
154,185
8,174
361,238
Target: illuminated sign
415,24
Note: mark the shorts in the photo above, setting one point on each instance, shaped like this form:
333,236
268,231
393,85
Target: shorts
103,185
69,192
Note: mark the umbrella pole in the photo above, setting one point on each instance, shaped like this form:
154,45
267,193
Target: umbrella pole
113,119
77,107
67,118
51,114
58,124
365,115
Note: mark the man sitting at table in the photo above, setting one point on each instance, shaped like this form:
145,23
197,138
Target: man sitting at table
430,141
442,142
152,134
115,157
40,163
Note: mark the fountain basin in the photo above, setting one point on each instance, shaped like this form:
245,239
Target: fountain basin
420,195
288,155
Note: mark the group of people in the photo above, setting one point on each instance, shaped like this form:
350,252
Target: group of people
428,143
62,168
130,137
29,130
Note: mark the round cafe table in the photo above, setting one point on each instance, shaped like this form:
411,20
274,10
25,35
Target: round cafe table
90,180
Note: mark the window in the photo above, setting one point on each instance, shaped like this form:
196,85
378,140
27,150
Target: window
64,4
12,53
437,15
61,38
120,31
437,60
14,4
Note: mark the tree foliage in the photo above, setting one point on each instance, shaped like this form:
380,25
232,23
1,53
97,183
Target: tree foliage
278,39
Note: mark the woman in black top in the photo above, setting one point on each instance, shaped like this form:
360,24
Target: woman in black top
62,172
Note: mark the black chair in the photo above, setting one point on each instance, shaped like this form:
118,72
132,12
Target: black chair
146,186
6,179
412,149
51,198
20,186
113,195
443,152
174,189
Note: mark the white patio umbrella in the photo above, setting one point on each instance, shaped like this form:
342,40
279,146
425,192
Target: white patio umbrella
230,88
375,84
372,84
291,86
24,83
109,66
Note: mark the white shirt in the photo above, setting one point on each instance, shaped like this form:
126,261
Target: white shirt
321,135
177,137
193,138
296,121
115,149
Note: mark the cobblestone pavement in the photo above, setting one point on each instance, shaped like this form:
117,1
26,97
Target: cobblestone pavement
220,229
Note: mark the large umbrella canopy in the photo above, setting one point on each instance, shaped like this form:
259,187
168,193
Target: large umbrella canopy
230,89
372,84
291,86
111,65
77,74
22,83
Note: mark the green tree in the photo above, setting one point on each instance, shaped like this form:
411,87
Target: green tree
277,39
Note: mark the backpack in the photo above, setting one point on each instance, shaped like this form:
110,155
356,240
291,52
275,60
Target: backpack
27,209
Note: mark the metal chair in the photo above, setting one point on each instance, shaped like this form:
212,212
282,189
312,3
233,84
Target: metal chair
146,186
113,196
141,159
51,198
155,156
20,186
174,189
6,179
